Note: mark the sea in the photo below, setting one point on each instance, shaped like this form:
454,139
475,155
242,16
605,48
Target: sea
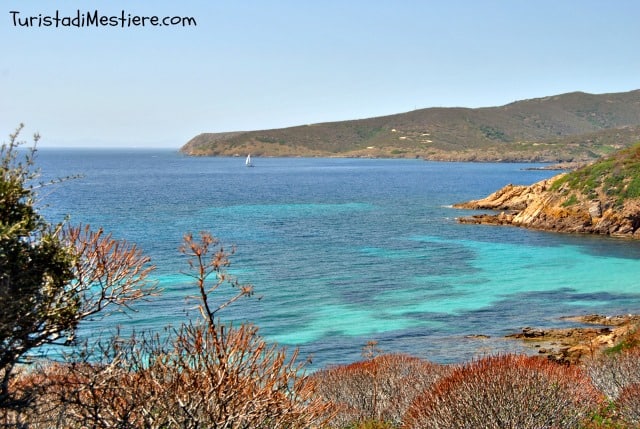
342,252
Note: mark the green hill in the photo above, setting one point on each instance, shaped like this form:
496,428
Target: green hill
568,127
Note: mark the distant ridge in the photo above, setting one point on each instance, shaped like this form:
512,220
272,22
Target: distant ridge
569,127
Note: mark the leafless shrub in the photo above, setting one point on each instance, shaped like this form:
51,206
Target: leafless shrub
508,391
109,274
84,395
379,389
199,375
208,259
99,386
227,378
612,372
628,404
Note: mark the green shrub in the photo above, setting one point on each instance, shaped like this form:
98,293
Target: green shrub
572,200
633,187
616,176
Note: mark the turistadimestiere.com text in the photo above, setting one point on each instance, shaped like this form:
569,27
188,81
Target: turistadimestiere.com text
83,19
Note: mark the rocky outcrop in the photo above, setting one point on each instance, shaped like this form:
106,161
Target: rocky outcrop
572,345
545,207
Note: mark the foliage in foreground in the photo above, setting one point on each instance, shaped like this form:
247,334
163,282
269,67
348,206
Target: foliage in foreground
377,389
224,378
616,373
52,277
506,391
206,374
493,392
628,404
611,373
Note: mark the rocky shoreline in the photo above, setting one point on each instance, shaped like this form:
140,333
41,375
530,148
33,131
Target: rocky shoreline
602,198
541,206
572,345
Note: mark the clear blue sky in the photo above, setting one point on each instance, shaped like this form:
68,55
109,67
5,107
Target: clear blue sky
252,64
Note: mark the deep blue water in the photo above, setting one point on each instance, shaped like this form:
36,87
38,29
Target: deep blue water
343,251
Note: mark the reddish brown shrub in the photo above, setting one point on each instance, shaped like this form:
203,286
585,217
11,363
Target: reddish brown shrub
380,388
226,378
628,404
508,391
200,375
230,377
85,395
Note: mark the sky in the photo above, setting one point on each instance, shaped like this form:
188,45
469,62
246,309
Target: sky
251,64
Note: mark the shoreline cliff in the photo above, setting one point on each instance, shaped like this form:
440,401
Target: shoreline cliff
602,198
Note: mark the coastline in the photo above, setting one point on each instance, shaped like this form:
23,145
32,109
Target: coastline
595,334
542,207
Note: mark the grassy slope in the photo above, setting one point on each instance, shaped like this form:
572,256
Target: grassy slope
574,126
613,179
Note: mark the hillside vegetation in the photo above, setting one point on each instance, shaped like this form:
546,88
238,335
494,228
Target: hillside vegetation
613,179
601,198
569,127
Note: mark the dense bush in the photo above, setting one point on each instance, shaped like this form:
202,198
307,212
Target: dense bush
509,391
612,372
82,395
618,175
379,389
628,404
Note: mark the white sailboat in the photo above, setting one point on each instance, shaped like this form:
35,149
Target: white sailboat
248,161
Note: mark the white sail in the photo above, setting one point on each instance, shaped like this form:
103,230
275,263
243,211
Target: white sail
248,161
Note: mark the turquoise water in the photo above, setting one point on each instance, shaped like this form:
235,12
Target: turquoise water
344,251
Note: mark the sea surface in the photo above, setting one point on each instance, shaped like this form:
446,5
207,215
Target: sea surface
344,251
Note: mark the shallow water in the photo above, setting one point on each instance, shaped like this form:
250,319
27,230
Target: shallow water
343,251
